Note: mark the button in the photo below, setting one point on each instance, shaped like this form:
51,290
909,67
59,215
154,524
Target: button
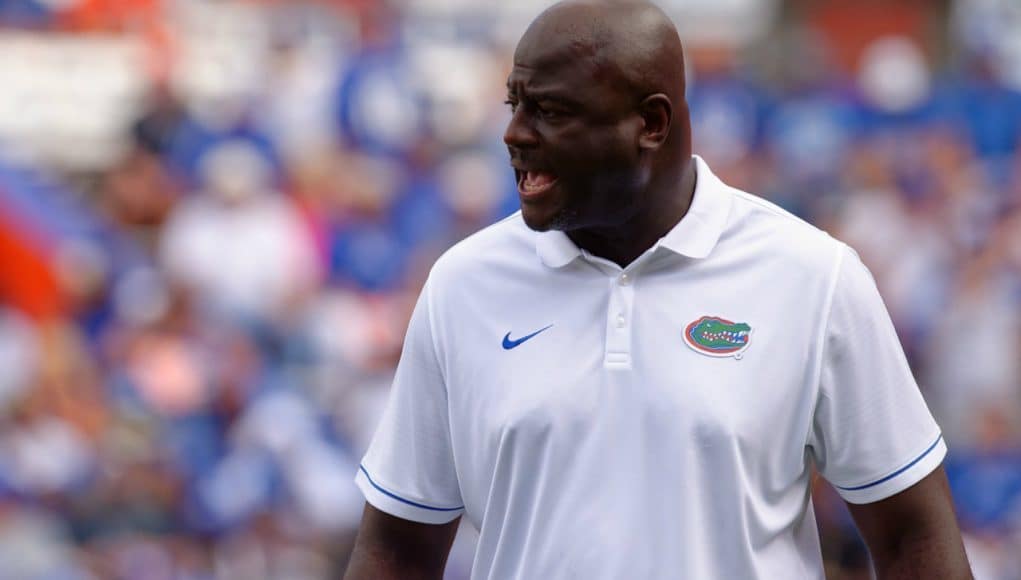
625,279
617,358
621,321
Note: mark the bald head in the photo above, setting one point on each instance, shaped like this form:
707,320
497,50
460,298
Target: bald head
625,41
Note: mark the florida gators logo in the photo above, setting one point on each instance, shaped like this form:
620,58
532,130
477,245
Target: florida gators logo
715,336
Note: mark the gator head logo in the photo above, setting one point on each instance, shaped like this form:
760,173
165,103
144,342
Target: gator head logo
715,336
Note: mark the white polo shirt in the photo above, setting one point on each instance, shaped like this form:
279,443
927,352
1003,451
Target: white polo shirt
656,421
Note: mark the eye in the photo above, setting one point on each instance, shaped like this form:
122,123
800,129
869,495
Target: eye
550,112
512,104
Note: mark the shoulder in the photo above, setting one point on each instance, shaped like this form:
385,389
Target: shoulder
491,252
762,229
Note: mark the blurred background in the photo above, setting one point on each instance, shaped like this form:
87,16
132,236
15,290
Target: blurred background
215,217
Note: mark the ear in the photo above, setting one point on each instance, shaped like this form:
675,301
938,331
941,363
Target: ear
657,113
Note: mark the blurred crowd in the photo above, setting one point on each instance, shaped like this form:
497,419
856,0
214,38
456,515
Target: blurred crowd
200,316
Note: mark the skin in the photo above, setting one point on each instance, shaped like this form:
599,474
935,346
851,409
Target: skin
914,535
391,548
597,94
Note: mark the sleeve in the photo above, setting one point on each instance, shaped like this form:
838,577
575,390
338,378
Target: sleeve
408,470
872,433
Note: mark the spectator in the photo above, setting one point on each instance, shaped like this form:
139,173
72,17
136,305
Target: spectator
240,245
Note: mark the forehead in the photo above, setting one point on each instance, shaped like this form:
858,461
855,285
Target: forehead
559,53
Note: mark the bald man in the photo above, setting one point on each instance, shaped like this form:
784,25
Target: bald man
638,374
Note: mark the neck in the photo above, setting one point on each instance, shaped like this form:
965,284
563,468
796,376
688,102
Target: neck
623,243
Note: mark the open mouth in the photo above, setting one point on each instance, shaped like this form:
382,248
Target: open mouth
531,183
739,337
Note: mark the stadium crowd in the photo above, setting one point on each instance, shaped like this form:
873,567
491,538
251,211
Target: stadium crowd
196,335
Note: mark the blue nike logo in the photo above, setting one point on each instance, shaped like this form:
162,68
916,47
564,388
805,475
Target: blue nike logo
509,344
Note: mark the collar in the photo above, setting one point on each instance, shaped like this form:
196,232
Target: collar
694,236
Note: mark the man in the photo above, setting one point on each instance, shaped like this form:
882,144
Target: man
636,375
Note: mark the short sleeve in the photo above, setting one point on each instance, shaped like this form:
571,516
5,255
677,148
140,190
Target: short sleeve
408,470
872,434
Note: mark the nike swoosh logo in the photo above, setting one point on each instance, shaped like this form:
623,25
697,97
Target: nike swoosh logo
509,344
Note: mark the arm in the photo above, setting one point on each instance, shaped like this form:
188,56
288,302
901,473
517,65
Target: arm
391,548
914,534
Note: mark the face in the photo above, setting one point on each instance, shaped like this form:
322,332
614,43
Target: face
572,137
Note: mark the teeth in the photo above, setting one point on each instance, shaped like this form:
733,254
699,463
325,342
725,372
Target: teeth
728,335
534,180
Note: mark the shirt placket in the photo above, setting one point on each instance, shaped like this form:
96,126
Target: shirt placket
619,317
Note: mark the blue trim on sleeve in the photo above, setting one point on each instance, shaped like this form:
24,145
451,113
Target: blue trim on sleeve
401,499
895,473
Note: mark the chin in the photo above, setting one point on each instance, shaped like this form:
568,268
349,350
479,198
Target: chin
536,222
544,219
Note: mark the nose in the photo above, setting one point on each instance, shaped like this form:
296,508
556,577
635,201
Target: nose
520,134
